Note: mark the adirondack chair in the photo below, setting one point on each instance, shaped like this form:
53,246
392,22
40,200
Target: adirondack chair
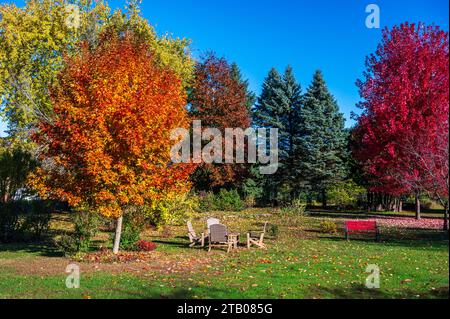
193,238
218,237
257,237
211,221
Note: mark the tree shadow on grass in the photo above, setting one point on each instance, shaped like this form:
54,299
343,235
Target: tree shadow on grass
435,239
170,243
362,292
42,249
360,214
176,293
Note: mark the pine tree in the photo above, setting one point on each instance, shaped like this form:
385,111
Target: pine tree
322,140
278,107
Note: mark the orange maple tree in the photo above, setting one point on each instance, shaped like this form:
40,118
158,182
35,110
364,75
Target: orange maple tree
109,143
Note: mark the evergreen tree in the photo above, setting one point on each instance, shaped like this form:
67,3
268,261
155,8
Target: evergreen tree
278,107
322,139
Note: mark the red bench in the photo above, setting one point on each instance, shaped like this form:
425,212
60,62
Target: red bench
361,227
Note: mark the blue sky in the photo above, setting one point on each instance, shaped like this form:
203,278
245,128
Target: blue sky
309,35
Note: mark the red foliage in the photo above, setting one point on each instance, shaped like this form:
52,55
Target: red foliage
219,101
402,135
143,245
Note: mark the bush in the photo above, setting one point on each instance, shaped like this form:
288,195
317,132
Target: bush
143,245
133,225
174,209
86,225
273,230
225,200
346,194
297,207
37,219
23,221
10,224
328,227
207,201
229,200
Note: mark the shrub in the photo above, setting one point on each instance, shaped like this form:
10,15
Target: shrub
133,225
173,209
346,194
226,200
143,245
37,219
207,201
297,207
273,230
328,227
250,201
430,203
22,221
9,222
86,225
229,200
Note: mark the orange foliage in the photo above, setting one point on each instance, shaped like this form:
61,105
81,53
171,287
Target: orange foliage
109,144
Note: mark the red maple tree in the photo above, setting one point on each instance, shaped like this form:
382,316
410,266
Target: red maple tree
403,132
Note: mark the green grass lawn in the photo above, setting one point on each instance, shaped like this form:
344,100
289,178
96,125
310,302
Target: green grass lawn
300,263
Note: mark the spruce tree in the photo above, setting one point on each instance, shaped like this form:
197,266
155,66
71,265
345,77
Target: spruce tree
278,107
322,140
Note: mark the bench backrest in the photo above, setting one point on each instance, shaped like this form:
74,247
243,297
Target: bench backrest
361,225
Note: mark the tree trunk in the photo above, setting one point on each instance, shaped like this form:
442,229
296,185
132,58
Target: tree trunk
324,199
396,205
309,200
117,236
446,217
417,206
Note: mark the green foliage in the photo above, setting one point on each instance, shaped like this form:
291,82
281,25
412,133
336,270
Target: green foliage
346,194
15,165
226,200
328,227
297,207
229,200
86,226
172,210
273,230
323,139
24,221
252,188
278,107
133,225
429,203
